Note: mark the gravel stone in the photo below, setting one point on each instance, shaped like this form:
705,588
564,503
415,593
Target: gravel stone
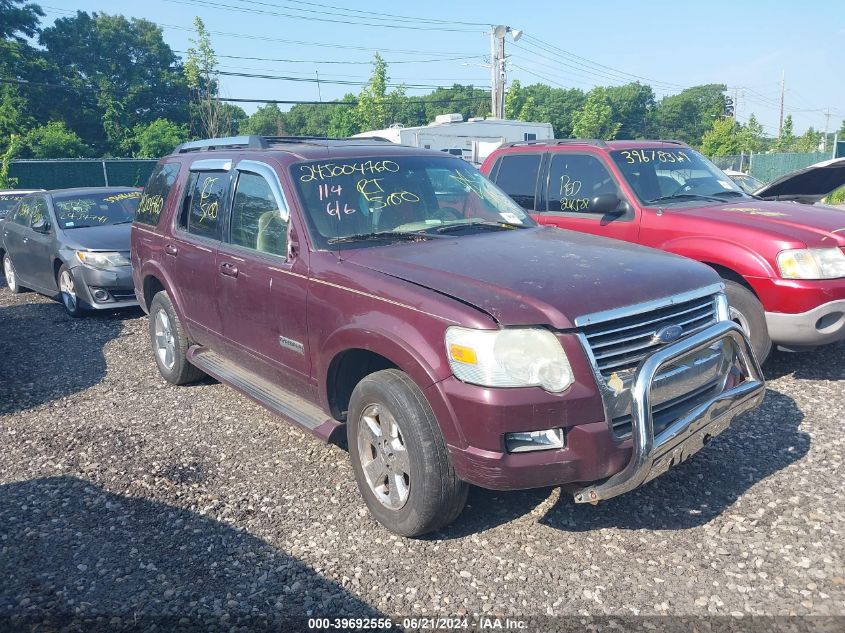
126,502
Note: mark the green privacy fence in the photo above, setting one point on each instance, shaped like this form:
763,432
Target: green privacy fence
60,174
767,167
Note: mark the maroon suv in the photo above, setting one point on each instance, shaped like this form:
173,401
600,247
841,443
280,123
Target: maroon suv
398,292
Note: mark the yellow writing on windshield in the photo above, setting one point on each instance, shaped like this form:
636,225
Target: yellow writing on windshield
129,195
325,171
633,156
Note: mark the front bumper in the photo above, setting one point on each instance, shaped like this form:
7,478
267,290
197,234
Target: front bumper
115,282
651,454
592,453
817,326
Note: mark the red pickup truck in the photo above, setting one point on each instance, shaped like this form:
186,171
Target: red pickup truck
783,263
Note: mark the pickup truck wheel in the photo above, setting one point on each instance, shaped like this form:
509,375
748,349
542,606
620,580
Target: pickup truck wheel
748,313
399,456
170,343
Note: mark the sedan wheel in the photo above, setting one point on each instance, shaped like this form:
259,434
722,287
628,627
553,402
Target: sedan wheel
68,291
384,456
9,272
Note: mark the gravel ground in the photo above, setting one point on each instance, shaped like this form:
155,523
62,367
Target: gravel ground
129,503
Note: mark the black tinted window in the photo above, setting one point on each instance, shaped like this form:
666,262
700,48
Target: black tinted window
517,176
207,198
156,192
256,218
574,180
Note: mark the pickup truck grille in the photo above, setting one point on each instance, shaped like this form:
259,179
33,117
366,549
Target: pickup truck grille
620,344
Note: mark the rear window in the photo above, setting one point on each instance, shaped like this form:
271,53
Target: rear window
96,209
8,202
155,193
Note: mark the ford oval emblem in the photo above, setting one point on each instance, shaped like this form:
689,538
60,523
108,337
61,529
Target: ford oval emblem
668,334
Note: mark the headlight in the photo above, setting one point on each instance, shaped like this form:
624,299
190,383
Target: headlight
812,263
513,357
102,259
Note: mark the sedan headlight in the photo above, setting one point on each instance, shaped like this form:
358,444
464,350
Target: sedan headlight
102,259
812,263
513,357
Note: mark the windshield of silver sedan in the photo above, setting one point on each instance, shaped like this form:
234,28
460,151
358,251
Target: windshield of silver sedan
370,201
674,175
78,211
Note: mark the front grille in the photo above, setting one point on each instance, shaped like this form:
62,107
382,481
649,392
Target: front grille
619,345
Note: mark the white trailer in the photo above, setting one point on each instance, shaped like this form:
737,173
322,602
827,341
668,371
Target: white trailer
473,140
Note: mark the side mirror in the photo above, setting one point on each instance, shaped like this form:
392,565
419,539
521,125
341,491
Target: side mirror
41,226
605,203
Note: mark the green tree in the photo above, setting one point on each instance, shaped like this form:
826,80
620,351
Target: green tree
514,100
809,142
786,139
556,106
343,121
842,131
633,107
595,118
158,138
721,139
687,115
10,153
267,120
210,117
750,135
374,103
118,73
54,140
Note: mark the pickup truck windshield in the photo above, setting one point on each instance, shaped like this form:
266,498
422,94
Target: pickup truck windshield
100,209
369,201
674,175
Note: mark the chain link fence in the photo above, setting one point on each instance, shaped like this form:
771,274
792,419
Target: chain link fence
767,167
61,174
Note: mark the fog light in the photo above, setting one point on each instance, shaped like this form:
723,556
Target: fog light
534,441
100,295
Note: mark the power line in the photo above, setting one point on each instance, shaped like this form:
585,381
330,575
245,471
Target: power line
480,99
225,7
339,82
338,61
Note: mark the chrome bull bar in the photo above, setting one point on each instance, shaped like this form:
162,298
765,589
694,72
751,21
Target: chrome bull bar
652,456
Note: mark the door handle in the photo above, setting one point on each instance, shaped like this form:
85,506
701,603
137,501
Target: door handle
25,240
230,270
170,249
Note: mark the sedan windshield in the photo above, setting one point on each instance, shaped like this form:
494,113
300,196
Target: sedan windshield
370,201
95,209
674,175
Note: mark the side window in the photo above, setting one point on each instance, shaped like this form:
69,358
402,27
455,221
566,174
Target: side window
23,211
517,176
155,193
201,214
574,180
257,221
39,211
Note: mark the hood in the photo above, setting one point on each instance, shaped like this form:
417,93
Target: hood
808,185
113,237
812,225
540,275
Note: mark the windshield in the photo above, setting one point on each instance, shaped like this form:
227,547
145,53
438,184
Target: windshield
96,209
674,175
749,184
361,201
8,201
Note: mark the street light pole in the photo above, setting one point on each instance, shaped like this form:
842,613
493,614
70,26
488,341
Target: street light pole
498,71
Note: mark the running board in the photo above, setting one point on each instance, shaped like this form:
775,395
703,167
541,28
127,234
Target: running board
280,401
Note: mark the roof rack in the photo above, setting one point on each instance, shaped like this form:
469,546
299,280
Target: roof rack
559,141
264,142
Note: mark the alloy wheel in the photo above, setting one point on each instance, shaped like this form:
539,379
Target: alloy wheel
165,344
9,272
384,456
68,291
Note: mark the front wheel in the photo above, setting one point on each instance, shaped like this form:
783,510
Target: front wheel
399,456
747,312
67,291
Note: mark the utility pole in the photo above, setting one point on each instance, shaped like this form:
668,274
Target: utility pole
319,92
498,71
826,127
782,91
736,102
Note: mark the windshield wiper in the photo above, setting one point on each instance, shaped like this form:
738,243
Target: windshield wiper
379,236
123,222
684,196
741,194
487,224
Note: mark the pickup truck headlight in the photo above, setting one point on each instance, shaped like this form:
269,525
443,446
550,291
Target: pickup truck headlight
512,357
102,259
812,263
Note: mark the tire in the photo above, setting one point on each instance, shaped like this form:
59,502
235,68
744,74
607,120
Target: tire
170,343
67,292
748,313
11,276
389,402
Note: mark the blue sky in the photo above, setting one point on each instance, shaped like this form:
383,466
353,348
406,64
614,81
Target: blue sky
671,44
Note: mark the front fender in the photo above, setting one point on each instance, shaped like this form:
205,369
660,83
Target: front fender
723,252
